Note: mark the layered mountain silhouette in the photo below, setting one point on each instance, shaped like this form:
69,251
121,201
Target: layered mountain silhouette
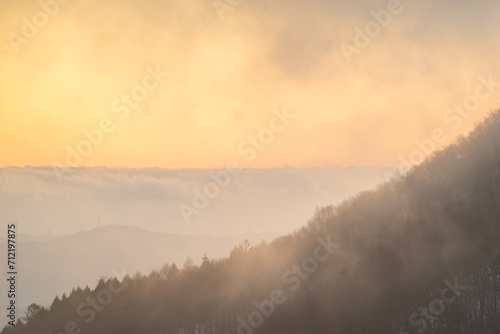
418,254
52,265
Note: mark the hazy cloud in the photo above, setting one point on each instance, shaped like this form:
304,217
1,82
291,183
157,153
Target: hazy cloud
277,200
226,76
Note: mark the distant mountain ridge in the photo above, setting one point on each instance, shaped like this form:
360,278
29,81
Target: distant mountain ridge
51,265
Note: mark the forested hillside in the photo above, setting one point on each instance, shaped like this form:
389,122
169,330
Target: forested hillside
419,254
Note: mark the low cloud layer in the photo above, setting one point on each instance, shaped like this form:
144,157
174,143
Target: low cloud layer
276,200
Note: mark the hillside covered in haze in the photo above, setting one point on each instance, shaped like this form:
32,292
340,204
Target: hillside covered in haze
418,254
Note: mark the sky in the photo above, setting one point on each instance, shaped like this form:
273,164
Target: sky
197,84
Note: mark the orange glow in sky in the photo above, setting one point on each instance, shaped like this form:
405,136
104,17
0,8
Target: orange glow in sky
93,82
